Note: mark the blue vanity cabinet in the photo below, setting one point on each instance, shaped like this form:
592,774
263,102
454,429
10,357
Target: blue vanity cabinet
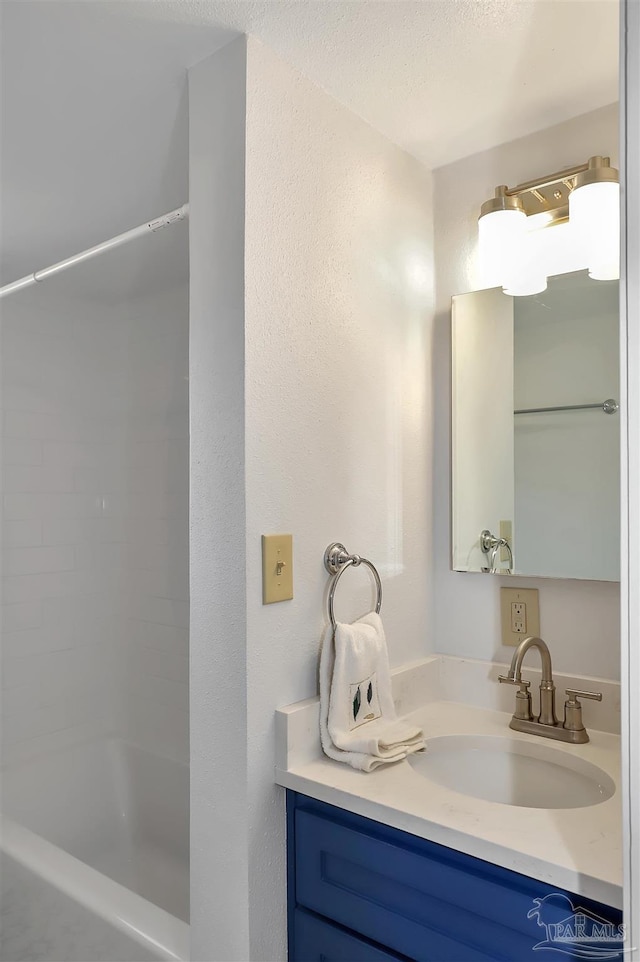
360,891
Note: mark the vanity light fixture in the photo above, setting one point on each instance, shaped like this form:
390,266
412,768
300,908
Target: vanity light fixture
594,212
515,252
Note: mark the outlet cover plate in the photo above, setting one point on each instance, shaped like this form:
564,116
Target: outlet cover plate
277,568
528,597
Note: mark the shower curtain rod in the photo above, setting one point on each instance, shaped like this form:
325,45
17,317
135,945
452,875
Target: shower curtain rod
150,227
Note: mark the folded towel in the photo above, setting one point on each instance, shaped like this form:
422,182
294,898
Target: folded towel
358,721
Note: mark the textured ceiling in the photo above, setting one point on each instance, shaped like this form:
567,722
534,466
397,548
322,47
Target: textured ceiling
94,123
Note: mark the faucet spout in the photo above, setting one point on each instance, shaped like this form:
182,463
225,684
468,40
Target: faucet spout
547,687
545,657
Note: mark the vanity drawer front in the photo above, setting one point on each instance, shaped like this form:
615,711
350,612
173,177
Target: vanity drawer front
394,896
316,940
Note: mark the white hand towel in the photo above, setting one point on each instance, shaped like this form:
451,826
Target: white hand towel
358,721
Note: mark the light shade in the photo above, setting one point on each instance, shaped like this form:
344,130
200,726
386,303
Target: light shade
500,234
528,271
594,213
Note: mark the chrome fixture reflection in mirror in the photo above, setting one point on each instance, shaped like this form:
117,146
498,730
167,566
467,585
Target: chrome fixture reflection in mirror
492,547
536,431
562,222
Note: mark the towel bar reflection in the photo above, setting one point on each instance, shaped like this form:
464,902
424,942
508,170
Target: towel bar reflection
490,544
336,560
610,406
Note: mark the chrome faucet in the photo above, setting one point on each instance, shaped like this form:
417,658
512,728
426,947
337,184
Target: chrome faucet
545,724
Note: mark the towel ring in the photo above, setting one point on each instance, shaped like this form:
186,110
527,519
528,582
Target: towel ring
336,560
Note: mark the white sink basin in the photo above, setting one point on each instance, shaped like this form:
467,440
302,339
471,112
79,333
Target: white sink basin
513,771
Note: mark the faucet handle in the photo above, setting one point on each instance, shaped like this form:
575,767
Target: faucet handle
576,693
507,680
573,710
523,698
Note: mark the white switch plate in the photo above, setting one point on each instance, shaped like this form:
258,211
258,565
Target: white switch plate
520,613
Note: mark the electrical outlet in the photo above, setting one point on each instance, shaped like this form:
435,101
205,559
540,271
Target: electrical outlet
519,617
520,612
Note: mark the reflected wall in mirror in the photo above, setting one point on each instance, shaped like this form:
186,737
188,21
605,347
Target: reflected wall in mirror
536,457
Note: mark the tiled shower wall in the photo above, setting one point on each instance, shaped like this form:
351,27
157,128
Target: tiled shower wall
95,514
156,512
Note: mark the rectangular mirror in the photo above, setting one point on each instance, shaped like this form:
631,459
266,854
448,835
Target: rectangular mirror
536,431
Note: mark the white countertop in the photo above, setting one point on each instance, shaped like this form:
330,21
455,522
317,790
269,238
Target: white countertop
578,849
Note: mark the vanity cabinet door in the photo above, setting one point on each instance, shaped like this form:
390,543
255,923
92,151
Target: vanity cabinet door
390,894
317,940
422,901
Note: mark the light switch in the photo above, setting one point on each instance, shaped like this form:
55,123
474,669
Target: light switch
520,611
277,568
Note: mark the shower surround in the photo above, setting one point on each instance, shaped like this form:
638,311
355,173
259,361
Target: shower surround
95,617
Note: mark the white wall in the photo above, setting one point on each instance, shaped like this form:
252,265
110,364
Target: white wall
579,620
94,530
338,282
630,364
218,642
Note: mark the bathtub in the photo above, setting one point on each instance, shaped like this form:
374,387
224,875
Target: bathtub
95,848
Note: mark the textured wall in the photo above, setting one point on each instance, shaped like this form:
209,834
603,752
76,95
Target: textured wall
338,290
338,316
579,620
